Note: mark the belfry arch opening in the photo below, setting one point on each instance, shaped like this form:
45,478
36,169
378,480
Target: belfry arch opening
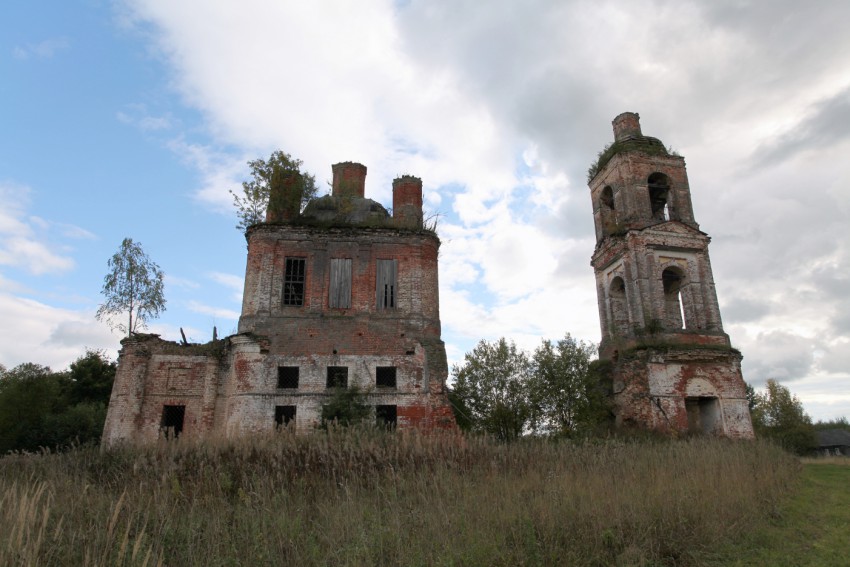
673,281
618,306
659,191
608,210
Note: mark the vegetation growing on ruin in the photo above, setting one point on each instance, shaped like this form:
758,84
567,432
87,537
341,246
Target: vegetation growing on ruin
133,288
645,144
366,497
267,175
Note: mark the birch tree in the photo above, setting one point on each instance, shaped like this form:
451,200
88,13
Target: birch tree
133,289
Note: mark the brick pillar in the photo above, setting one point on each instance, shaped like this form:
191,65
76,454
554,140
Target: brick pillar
626,125
349,179
284,196
407,201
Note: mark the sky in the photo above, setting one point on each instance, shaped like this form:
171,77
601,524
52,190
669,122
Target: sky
135,118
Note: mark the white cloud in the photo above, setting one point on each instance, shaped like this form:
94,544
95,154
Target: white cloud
220,173
139,116
508,105
217,312
176,281
25,241
41,50
231,281
59,336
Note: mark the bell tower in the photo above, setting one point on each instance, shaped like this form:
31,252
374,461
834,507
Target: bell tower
673,368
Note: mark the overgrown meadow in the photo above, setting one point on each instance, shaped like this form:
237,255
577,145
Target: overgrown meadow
368,497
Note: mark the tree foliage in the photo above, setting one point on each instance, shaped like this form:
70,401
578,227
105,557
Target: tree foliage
493,386
133,289
346,406
501,391
251,205
779,415
40,408
837,423
564,394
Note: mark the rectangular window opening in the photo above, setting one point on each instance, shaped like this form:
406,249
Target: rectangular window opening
337,377
172,421
386,416
293,281
287,377
387,288
340,286
385,377
283,416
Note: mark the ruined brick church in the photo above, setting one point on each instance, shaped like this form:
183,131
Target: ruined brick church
345,293
342,294
672,367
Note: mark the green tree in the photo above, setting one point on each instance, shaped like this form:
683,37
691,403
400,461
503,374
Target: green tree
346,406
91,378
837,423
460,411
565,396
779,415
265,175
751,396
40,408
493,385
29,395
133,288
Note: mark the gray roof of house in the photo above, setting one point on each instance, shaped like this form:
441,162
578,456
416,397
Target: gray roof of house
833,437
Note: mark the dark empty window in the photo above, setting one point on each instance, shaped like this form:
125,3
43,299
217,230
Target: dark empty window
337,377
293,281
659,188
386,284
340,288
386,416
703,415
385,377
607,211
287,377
172,421
673,280
284,415
617,301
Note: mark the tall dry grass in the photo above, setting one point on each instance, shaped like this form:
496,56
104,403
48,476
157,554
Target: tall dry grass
364,497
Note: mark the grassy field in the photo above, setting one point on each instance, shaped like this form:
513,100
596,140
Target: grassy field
812,527
372,498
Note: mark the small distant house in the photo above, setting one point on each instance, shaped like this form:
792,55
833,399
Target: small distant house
834,442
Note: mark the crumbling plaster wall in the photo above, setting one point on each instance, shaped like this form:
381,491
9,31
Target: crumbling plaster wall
639,259
652,385
232,391
627,174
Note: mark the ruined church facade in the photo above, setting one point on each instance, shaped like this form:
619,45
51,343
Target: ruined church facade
341,295
671,365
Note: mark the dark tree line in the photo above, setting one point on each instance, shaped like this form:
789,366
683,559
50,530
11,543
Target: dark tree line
44,409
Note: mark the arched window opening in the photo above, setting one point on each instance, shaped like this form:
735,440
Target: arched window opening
608,210
618,306
659,190
608,197
673,280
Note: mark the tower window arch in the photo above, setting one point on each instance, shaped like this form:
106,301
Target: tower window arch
659,191
618,306
673,281
608,210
